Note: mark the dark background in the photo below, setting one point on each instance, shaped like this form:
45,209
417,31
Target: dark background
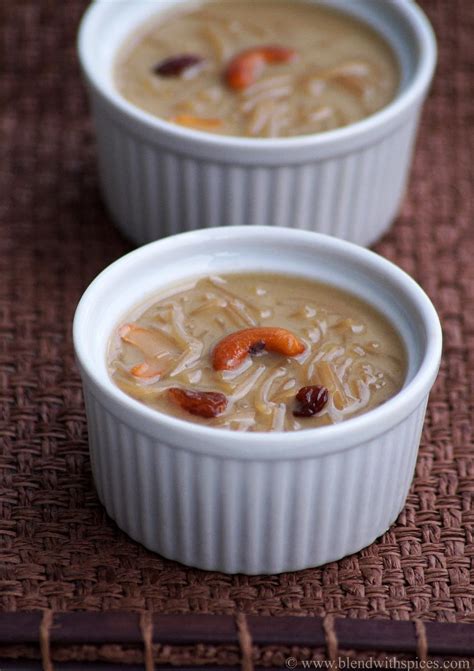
60,549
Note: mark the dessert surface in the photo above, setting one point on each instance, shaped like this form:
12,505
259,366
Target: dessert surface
259,68
258,352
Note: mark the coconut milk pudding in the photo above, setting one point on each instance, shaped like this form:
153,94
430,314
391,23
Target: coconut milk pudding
259,68
258,352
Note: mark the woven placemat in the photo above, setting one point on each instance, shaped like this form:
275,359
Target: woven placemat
60,549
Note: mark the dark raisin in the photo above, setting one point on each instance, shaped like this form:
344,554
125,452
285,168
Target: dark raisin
200,403
256,348
173,66
311,400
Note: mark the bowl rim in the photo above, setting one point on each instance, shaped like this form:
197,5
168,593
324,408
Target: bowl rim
409,11
264,445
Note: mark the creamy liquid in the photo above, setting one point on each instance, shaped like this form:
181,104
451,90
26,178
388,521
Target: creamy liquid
350,349
343,71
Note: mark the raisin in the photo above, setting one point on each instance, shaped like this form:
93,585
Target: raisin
200,403
256,348
311,400
173,66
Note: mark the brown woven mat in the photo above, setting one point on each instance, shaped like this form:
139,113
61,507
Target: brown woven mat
61,550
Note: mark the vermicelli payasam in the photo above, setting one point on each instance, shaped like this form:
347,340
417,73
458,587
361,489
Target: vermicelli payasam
258,68
257,352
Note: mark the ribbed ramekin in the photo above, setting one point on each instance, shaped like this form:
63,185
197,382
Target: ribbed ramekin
253,502
159,179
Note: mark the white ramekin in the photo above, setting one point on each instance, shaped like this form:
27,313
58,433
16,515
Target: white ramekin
159,178
253,502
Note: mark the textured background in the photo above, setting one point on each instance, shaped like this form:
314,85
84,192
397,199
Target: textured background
60,548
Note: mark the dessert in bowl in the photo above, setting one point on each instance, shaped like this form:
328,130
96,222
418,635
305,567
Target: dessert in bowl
329,151
259,501
257,352
258,69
